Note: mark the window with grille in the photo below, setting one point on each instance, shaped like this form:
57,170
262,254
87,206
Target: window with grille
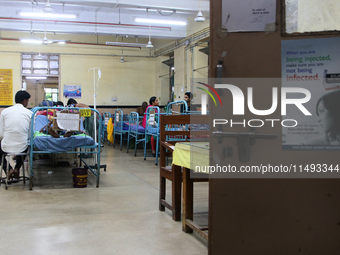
40,64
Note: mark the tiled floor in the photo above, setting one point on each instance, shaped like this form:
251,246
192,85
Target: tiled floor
119,217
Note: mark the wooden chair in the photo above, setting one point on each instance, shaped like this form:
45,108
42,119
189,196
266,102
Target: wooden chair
174,173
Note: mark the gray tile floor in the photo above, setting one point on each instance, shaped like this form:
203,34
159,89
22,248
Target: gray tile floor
119,217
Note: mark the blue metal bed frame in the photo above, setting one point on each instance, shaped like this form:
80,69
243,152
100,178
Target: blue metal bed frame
96,147
139,136
118,127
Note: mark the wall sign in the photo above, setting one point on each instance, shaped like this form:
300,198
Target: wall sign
72,91
6,86
248,15
313,64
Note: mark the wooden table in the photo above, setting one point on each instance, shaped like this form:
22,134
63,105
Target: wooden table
190,155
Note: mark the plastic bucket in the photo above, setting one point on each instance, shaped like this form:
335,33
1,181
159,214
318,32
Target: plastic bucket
79,177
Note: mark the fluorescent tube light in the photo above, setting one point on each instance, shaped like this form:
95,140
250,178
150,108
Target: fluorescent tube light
161,21
36,77
126,44
41,41
30,41
48,15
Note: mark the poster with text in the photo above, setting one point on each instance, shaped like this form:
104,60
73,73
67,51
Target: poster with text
312,64
6,86
248,15
72,91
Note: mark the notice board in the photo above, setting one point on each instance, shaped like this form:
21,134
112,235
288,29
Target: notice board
6,86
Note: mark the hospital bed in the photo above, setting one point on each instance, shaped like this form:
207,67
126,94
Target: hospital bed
41,143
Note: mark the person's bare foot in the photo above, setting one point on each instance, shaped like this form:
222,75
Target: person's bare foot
52,132
68,134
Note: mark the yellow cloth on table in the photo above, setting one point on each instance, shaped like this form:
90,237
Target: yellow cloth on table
191,155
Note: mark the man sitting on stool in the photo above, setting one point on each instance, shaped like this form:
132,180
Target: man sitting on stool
14,130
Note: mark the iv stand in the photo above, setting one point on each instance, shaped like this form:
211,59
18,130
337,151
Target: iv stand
95,95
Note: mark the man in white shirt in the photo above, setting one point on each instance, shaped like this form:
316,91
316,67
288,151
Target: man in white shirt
14,130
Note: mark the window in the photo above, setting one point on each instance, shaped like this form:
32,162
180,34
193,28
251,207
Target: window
51,94
40,64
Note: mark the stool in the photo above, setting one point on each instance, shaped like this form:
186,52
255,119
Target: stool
8,156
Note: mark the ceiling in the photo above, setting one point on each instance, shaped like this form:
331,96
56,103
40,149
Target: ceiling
103,17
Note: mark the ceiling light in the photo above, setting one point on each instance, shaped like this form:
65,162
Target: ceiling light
41,41
126,44
36,77
157,10
48,15
122,60
199,17
36,41
149,45
48,8
161,21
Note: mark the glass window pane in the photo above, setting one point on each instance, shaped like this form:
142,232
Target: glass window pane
55,90
54,72
54,57
26,71
26,56
26,63
40,64
40,71
55,97
48,96
54,64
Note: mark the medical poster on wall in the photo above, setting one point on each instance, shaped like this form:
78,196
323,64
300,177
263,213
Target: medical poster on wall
313,64
6,86
72,91
248,15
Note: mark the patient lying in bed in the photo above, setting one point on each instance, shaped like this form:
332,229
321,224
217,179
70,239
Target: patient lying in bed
59,142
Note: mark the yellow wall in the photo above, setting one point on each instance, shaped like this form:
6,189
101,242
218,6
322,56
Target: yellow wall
131,82
162,83
179,74
194,27
185,62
